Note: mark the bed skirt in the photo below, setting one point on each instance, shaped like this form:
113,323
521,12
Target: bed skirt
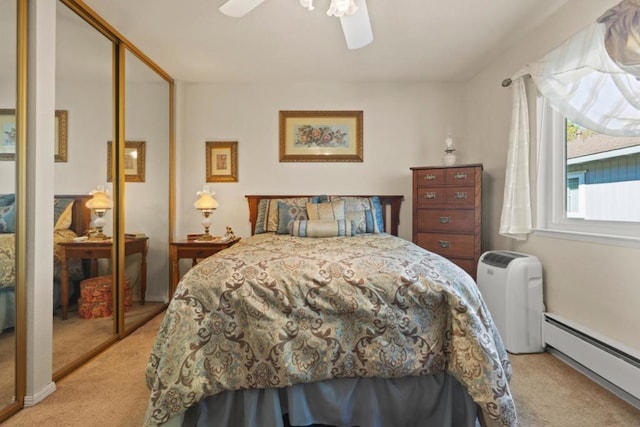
431,400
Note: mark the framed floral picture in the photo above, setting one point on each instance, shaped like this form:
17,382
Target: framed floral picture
8,135
222,161
321,136
134,161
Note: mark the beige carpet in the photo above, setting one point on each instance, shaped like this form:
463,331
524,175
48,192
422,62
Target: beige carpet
110,391
72,338
550,393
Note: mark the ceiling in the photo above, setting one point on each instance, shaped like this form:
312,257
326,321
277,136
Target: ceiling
414,40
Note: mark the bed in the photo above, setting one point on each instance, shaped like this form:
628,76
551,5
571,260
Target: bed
71,219
345,326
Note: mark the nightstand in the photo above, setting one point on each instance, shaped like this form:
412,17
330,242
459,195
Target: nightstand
195,250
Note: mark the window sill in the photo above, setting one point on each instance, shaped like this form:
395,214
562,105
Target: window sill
601,239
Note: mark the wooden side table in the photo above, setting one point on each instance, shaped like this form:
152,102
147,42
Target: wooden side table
93,250
195,250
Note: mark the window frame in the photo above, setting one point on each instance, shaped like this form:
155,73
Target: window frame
552,219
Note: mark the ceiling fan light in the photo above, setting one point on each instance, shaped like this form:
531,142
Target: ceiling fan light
308,4
342,7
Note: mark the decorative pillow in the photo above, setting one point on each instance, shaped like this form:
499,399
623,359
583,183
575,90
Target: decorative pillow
7,199
267,218
62,213
8,219
288,213
363,221
8,213
328,210
322,228
320,199
357,204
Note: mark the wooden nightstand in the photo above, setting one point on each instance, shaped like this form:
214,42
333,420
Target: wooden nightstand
195,250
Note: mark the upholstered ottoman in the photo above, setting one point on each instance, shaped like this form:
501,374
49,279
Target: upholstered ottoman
96,298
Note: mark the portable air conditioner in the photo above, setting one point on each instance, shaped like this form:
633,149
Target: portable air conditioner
511,285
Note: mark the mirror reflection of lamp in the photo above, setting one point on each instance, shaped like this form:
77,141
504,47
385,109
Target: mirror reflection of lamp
99,204
206,204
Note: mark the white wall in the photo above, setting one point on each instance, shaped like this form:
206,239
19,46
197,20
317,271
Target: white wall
594,285
404,125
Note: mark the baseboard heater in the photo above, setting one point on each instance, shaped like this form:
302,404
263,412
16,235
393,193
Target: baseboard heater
612,366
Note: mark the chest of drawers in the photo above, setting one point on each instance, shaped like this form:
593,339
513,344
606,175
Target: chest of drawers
447,216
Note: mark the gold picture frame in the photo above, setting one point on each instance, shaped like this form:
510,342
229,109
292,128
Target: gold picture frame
222,161
8,135
134,161
321,136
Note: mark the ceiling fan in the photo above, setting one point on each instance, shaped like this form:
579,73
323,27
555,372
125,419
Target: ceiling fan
353,14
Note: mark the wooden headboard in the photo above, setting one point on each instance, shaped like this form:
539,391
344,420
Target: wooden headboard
387,201
81,219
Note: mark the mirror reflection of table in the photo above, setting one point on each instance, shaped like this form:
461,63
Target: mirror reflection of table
94,250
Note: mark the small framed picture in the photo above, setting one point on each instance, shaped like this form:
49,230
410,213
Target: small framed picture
134,161
8,135
321,136
222,161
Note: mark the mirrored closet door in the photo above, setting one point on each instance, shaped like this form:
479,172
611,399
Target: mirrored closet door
147,189
83,313
8,175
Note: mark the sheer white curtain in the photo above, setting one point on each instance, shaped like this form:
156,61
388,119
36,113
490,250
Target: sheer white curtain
515,221
594,80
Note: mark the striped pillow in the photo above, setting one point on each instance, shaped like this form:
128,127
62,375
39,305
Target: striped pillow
267,219
322,228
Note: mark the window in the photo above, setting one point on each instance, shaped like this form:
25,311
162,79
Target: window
588,183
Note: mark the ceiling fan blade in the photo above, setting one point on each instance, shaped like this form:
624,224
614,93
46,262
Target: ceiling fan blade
357,27
239,8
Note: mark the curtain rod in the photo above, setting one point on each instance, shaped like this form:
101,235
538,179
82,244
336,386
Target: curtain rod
506,83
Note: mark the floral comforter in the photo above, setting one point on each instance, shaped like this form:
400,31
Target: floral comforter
275,310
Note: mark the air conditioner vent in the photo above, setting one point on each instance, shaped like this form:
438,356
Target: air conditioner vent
501,259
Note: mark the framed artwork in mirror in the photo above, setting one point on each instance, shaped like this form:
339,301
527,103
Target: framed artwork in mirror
222,161
8,135
321,136
134,161
60,147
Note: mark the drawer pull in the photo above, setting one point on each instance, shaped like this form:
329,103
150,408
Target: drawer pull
444,243
460,175
461,194
445,219
429,177
430,195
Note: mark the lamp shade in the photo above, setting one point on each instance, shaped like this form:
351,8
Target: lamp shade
100,200
206,200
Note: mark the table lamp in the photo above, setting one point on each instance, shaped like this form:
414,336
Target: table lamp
99,204
206,204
